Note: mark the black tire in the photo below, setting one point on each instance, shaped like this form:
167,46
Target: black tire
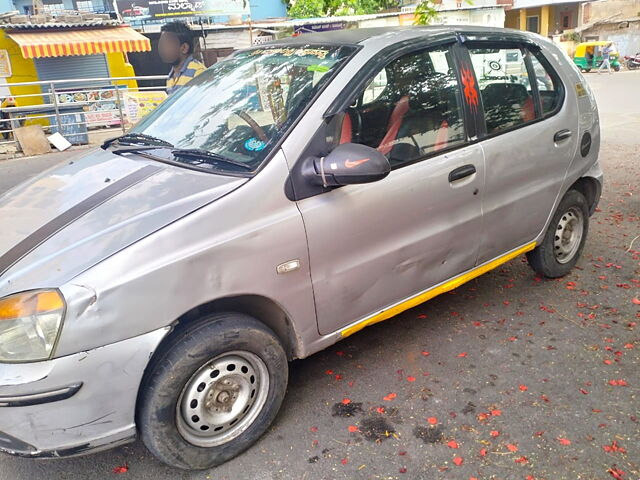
546,259
616,68
586,70
174,366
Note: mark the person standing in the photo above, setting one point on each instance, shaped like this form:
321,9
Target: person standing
176,49
606,54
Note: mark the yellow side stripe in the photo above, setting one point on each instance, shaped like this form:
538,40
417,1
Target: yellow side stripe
435,291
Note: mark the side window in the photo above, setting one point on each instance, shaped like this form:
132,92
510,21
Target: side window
548,85
504,85
410,110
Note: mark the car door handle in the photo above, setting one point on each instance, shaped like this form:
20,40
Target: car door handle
561,135
461,172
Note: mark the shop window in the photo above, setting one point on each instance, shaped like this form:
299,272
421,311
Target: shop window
533,24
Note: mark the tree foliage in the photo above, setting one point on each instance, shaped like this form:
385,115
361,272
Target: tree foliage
425,13
324,8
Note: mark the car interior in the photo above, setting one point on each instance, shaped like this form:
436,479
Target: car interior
416,113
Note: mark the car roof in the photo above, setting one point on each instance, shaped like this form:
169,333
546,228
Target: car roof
391,35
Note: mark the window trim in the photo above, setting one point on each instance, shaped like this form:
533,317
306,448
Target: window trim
528,48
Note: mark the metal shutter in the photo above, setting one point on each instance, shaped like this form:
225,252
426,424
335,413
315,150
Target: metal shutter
75,67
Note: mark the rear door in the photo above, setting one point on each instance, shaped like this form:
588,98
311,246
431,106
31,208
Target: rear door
530,137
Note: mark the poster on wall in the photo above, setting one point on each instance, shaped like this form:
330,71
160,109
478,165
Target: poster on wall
100,105
139,104
5,64
148,9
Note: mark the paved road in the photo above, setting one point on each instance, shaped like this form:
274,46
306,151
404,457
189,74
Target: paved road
514,371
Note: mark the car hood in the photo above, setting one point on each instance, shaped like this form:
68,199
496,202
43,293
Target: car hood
69,218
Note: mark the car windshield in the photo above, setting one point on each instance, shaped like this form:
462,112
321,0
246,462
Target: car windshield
240,108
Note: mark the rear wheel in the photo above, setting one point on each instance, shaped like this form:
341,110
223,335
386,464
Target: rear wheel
565,238
212,391
616,68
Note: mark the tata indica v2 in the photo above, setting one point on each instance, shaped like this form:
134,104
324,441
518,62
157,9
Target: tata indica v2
286,198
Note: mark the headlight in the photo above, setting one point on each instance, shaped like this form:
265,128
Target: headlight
29,325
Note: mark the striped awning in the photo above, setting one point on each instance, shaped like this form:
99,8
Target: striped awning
62,43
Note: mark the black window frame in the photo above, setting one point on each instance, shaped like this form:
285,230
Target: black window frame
527,50
360,82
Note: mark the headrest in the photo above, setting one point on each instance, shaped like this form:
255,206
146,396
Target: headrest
496,93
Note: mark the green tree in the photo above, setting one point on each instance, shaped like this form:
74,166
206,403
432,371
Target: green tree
425,13
323,8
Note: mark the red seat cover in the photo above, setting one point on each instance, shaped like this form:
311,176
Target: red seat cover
528,110
393,127
347,129
442,137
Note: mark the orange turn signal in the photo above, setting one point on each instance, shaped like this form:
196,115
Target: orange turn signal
30,303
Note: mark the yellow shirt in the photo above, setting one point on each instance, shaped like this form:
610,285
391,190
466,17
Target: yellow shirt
190,69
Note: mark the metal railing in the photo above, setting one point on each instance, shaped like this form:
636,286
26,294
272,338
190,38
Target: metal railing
75,107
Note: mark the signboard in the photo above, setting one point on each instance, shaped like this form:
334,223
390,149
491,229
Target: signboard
5,64
139,104
147,9
318,27
100,105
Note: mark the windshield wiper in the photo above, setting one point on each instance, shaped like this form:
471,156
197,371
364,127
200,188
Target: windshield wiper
139,139
207,157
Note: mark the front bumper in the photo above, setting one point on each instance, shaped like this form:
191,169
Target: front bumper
74,404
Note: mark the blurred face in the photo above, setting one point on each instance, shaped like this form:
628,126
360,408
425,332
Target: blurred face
171,50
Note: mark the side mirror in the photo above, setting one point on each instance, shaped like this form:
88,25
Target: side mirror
347,164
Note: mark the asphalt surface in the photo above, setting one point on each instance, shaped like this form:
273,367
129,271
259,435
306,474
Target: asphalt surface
508,377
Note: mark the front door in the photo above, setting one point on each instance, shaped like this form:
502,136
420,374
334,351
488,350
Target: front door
531,140
372,246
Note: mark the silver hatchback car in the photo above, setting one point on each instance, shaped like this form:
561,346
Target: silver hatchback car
283,200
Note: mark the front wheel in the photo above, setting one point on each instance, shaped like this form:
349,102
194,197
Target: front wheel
562,245
212,391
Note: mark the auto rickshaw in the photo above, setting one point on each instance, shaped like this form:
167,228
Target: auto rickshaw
589,56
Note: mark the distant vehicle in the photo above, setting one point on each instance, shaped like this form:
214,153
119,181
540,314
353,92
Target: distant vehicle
135,12
588,56
288,197
632,62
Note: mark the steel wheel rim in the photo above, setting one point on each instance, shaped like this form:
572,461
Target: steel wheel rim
568,235
222,399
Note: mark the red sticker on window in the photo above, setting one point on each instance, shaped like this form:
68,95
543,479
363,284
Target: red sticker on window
470,92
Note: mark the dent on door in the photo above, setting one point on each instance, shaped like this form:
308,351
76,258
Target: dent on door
373,245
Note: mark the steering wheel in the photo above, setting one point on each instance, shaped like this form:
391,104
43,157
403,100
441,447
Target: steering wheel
253,124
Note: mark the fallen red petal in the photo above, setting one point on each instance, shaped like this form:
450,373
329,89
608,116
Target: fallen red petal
458,460
122,469
452,444
616,473
564,441
432,420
